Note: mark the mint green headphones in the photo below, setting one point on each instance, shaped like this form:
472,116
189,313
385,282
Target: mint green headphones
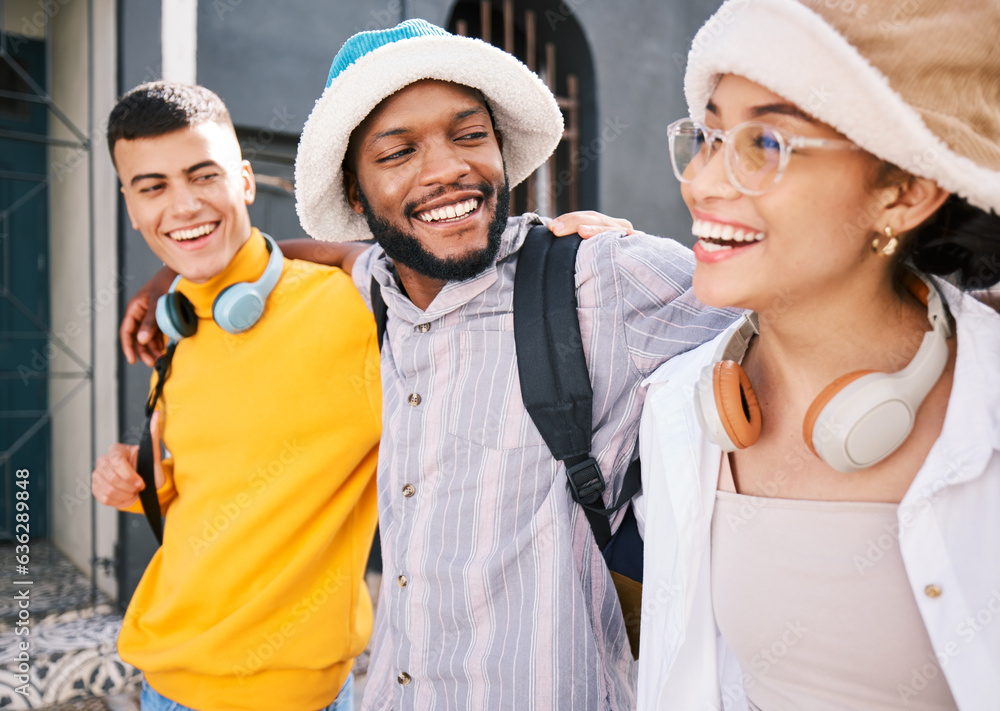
236,308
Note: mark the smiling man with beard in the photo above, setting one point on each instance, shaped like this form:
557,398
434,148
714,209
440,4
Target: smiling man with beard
403,247
431,156
494,594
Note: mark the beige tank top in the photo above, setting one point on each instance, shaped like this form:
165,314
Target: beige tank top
813,599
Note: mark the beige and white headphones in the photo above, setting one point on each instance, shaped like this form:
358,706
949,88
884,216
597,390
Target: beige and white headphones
856,421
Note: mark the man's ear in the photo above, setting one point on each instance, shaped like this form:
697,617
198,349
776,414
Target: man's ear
351,191
918,199
249,182
499,139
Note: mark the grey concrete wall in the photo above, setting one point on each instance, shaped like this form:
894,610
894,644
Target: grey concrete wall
78,308
269,61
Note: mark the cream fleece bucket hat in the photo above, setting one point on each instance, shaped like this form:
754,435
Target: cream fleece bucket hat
372,66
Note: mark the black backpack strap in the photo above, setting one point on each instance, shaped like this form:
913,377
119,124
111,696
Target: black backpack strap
145,462
380,310
555,382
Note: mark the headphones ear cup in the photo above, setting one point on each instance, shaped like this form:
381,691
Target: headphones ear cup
822,400
736,403
237,308
175,316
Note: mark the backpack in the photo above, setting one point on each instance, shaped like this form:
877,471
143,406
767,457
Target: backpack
557,393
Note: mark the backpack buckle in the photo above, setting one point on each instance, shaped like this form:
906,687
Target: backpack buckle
586,481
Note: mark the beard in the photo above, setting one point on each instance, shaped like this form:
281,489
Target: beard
404,248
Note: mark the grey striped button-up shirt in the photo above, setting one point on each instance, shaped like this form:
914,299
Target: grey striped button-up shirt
494,594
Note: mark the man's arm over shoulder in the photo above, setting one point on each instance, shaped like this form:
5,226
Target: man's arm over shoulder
331,254
361,273
648,279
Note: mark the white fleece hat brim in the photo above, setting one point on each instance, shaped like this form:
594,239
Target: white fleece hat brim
525,112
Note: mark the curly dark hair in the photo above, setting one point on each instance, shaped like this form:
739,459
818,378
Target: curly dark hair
960,240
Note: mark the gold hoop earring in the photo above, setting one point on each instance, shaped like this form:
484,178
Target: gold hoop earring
889,248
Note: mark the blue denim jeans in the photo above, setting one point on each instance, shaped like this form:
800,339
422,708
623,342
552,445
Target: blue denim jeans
153,701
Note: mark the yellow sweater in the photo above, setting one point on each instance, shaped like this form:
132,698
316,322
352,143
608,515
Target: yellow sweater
257,600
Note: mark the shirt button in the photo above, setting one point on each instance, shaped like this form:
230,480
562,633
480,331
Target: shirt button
403,678
933,591
409,490
424,327
414,399
402,581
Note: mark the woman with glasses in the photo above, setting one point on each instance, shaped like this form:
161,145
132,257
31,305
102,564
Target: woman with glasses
821,483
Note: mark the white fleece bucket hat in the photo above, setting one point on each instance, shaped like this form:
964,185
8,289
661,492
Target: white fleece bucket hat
372,66
916,83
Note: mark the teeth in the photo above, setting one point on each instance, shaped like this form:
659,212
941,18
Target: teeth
193,233
706,230
449,212
713,247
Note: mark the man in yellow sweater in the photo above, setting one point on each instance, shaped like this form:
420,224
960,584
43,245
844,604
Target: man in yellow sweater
256,599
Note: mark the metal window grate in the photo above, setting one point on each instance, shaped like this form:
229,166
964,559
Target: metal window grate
554,188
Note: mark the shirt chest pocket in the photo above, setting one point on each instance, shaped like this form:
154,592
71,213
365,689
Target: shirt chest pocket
488,409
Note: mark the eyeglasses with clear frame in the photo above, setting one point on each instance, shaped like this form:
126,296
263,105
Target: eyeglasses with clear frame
755,154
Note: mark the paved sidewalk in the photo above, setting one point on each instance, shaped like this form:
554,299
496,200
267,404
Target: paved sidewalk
121,702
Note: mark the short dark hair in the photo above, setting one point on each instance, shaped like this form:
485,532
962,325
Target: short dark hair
160,107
